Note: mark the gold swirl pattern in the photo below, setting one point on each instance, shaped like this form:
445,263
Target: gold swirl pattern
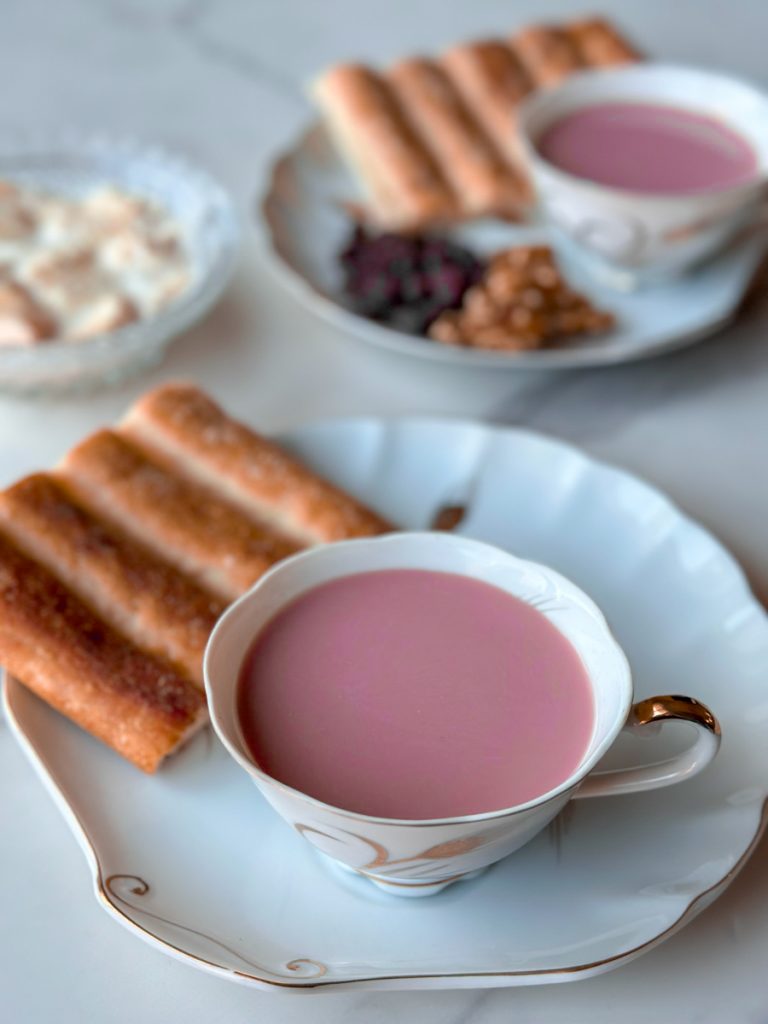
303,967
305,830
139,887
307,968
291,979
541,972
407,867
451,848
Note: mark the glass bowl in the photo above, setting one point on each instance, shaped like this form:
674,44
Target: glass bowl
71,164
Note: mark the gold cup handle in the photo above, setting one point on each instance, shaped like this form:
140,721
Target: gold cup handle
644,715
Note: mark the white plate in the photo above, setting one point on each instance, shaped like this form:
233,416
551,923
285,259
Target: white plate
194,862
306,225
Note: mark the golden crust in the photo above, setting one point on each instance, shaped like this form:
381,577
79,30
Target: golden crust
134,702
185,523
547,52
470,161
128,586
404,184
600,44
184,427
115,567
492,82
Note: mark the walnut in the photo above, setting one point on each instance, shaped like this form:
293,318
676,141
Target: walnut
521,302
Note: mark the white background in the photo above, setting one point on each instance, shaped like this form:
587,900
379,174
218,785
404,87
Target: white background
223,82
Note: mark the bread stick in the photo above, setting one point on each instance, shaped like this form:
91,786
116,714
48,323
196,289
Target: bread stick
548,53
65,654
471,163
129,587
404,185
493,83
185,523
181,425
600,44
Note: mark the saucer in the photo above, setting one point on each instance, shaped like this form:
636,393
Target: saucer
193,862
305,224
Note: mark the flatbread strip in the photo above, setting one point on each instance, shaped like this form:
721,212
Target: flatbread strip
548,53
185,523
395,167
115,566
122,580
183,426
134,702
470,162
493,82
600,44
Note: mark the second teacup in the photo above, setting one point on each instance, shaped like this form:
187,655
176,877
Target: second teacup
627,237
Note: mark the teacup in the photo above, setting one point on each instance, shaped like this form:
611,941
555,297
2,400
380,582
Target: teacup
627,238
417,858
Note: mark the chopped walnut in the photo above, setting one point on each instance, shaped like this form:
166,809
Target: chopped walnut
521,302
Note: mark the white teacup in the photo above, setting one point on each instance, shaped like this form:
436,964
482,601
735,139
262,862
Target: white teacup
631,238
416,858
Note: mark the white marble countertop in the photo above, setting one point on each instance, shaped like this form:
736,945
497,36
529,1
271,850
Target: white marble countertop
223,82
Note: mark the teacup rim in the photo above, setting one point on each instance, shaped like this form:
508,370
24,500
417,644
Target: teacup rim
538,98
429,536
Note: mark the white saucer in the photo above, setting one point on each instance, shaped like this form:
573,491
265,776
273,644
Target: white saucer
195,864
305,225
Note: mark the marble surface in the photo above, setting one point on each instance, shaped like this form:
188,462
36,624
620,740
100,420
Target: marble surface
223,82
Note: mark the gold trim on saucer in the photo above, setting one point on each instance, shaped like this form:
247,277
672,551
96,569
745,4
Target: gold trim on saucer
138,887
539,972
104,885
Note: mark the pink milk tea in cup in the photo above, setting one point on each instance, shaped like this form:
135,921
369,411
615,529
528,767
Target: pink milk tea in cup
419,705
406,693
646,170
651,148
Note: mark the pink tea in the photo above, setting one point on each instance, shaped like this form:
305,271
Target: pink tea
415,694
648,147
